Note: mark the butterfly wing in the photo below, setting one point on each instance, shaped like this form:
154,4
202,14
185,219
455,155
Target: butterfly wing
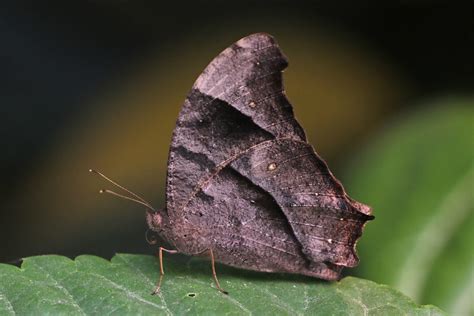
237,102
324,219
246,228
237,117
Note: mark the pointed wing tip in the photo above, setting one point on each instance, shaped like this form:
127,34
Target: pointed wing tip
260,41
261,35
257,39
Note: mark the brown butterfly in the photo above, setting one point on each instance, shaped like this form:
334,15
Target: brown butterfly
243,184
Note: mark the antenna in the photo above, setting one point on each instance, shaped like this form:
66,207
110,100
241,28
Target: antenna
135,197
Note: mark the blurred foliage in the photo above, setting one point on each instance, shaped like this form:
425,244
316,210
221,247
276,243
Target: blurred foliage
418,176
93,286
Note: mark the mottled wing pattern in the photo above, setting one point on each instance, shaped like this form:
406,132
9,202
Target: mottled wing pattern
235,103
246,228
324,219
208,133
248,76
237,121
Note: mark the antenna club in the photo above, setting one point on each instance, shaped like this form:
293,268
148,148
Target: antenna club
135,197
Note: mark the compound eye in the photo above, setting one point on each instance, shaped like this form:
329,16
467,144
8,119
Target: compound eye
154,220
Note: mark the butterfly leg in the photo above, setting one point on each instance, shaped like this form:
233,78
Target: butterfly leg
213,266
162,271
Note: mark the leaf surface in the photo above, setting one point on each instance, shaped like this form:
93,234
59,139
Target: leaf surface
91,285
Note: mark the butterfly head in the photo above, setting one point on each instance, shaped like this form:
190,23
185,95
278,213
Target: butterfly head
155,219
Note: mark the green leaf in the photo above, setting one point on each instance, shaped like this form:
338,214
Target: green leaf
418,177
91,285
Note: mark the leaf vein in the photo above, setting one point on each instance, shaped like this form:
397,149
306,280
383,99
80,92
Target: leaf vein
73,301
126,291
352,299
168,311
232,300
8,304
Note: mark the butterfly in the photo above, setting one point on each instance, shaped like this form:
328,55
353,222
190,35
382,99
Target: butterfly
243,184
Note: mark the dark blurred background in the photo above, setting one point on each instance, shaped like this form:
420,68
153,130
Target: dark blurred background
100,83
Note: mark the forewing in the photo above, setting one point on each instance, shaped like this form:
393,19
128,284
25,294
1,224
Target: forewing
238,101
248,76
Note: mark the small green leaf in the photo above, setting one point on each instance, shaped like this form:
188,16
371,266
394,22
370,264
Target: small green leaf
418,177
90,285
